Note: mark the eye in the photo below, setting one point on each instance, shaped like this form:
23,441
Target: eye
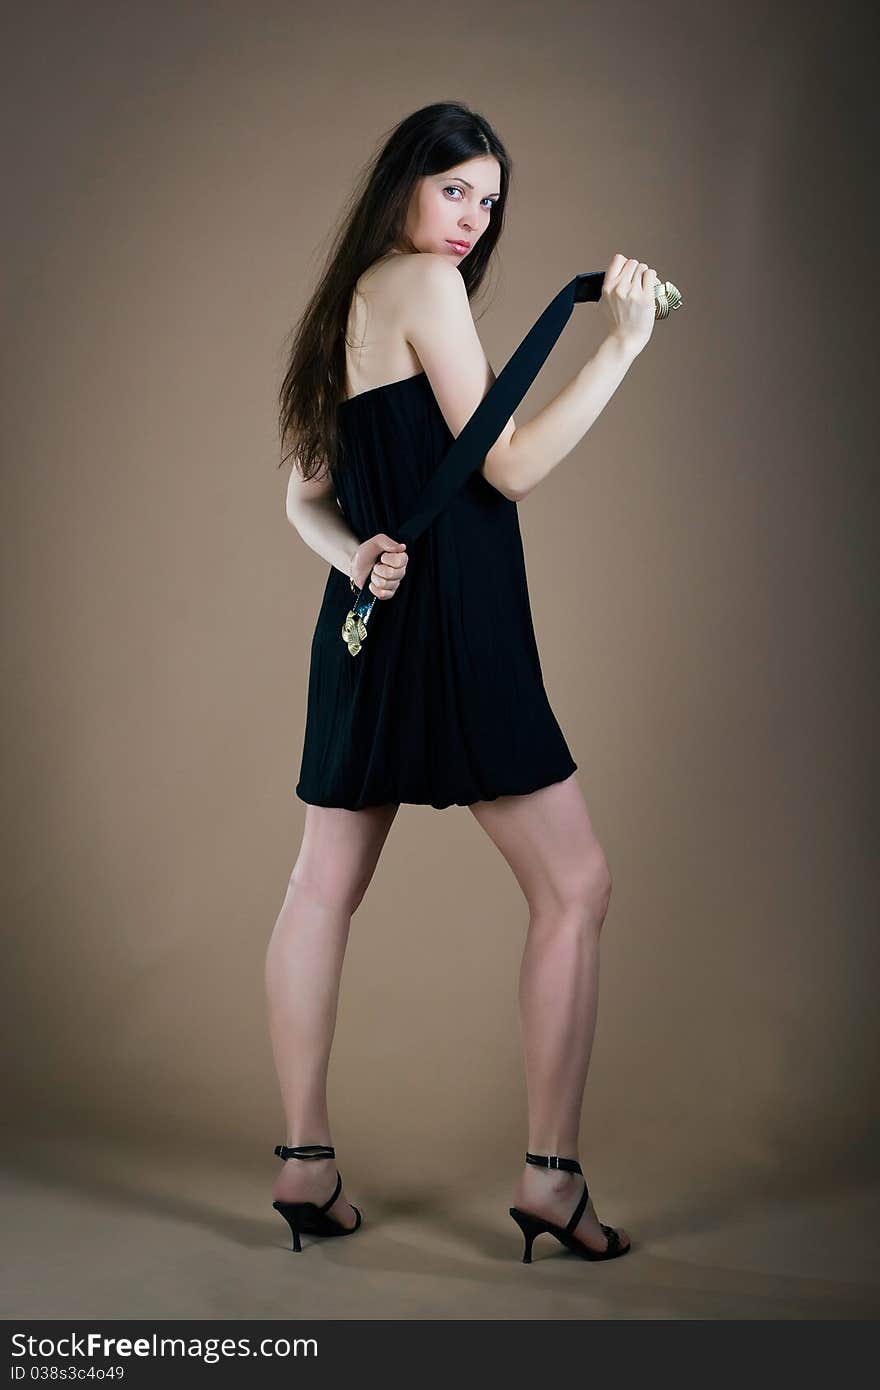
454,188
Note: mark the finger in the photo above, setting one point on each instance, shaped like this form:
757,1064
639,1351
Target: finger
620,277
618,261
627,275
388,581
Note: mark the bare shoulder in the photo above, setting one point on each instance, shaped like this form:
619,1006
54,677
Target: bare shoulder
396,280
431,273
391,298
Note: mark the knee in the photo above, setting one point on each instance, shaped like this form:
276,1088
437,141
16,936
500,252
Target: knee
586,890
323,883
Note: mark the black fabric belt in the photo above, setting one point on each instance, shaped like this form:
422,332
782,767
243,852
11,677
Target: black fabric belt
484,426
495,409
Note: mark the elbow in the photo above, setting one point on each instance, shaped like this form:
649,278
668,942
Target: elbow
516,494
499,472
513,489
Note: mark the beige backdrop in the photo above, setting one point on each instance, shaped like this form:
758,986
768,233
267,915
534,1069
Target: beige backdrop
701,574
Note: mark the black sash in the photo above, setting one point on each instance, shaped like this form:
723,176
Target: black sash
484,426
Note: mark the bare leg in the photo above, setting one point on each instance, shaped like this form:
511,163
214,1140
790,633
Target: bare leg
549,843
337,858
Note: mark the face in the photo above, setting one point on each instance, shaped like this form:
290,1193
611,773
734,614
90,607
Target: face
455,206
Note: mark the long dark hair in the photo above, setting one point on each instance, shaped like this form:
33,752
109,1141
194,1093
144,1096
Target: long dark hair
431,140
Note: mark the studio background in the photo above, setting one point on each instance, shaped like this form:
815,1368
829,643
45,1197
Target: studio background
702,579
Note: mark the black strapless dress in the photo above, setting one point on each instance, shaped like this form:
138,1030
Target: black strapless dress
445,704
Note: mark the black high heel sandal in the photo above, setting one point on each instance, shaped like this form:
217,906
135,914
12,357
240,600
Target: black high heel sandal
532,1225
307,1218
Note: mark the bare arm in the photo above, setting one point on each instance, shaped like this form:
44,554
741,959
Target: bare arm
379,562
539,445
313,512
442,331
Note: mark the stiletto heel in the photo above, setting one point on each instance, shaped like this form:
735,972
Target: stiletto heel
287,1210
307,1218
532,1225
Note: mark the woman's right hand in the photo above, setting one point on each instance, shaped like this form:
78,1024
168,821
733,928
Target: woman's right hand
628,300
383,562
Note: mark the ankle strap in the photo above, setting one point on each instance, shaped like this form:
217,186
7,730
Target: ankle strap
305,1151
571,1165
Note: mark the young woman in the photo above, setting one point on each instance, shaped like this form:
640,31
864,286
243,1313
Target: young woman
445,704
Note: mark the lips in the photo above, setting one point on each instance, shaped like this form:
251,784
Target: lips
459,245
